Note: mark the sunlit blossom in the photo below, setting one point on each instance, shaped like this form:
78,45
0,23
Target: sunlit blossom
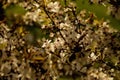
54,7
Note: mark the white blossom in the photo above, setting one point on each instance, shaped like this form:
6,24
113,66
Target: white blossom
46,43
93,56
54,7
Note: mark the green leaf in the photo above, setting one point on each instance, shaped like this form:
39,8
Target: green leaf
14,14
37,32
13,10
114,23
99,11
64,2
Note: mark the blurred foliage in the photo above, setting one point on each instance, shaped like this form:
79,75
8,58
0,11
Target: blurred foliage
37,32
13,13
14,10
99,10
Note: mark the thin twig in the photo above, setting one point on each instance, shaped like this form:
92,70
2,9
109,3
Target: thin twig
76,21
44,8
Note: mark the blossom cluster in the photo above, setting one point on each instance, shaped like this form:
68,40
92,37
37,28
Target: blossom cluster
78,44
